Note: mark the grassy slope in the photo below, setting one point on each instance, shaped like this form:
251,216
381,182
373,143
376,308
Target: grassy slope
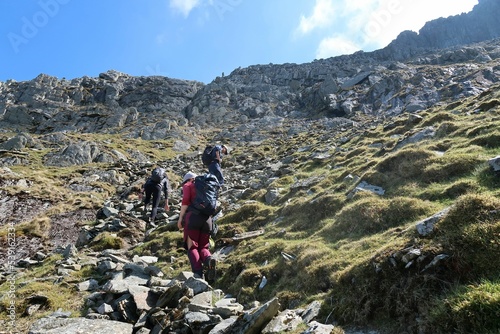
343,246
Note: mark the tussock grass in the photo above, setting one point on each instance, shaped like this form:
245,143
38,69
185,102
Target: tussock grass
446,193
471,233
490,140
38,227
107,240
439,118
399,168
374,215
251,216
471,308
450,166
446,129
303,214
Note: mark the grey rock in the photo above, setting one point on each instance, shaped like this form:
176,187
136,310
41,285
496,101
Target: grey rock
197,285
201,302
318,328
70,251
79,325
89,285
285,321
426,226
121,283
495,163
105,309
227,307
311,312
253,321
222,327
197,321
144,297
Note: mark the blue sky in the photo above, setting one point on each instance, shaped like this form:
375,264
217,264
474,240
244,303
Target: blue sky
196,39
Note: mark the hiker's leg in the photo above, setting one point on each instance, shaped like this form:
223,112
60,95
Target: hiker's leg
147,196
193,253
156,202
203,247
214,168
194,259
208,261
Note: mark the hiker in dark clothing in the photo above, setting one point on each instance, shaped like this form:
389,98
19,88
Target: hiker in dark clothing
196,228
215,166
154,189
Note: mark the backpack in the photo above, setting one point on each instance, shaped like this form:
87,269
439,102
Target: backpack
208,155
158,174
207,190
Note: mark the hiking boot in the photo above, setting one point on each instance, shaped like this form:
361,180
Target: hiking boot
198,274
152,222
209,265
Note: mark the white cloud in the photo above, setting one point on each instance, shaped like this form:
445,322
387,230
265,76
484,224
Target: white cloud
335,46
359,5
322,16
184,6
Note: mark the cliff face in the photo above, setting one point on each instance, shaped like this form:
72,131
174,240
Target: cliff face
111,101
481,24
403,77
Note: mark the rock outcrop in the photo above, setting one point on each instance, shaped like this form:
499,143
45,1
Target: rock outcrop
481,24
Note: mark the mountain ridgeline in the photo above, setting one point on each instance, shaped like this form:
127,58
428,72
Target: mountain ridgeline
362,194
414,72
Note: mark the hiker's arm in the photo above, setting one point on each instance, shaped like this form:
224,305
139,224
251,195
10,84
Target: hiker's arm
181,216
165,192
217,156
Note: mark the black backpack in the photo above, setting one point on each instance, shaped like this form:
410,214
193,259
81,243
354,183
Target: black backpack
208,155
157,175
207,190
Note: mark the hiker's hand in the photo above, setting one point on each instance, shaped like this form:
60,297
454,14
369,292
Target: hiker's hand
179,225
167,208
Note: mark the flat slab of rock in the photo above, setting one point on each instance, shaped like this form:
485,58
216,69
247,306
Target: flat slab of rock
78,326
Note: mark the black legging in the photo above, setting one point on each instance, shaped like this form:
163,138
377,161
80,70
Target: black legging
154,189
